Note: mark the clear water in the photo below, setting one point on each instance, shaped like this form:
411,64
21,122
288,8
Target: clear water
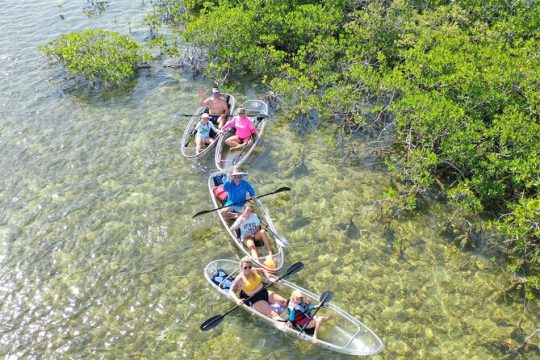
99,256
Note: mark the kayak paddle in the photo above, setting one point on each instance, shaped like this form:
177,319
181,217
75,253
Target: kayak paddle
217,319
281,189
283,242
252,138
326,296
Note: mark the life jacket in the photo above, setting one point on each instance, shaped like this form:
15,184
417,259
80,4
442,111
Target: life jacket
220,194
302,314
222,279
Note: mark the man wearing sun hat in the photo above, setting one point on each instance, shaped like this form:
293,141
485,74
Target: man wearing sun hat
217,107
237,188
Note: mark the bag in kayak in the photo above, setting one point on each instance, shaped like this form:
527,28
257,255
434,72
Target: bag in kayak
220,193
222,279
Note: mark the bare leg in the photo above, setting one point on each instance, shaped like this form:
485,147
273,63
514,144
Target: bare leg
318,322
264,308
221,121
198,144
276,299
250,244
261,235
233,141
228,214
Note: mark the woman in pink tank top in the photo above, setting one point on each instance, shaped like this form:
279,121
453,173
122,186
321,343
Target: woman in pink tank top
244,130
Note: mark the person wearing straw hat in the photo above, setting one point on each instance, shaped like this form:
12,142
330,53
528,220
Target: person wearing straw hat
238,189
217,107
202,129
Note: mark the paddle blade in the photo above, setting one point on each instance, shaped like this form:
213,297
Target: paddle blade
201,212
326,296
281,189
293,269
212,322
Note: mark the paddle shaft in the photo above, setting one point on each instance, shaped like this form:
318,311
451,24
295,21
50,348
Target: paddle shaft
237,158
281,189
284,241
289,272
327,296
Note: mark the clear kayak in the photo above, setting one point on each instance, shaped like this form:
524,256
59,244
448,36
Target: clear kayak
272,262
257,111
188,146
342,333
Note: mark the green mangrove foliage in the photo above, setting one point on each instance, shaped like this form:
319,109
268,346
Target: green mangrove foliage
98,55
451,88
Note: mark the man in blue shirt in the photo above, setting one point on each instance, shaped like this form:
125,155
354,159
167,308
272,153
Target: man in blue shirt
238,189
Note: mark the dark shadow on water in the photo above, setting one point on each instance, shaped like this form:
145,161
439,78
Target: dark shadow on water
299,222
301,171
351,229
85,92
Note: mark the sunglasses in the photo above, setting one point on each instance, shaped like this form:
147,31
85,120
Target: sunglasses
247,267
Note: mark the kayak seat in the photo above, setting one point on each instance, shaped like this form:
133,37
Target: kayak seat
218,179
228,100
222,279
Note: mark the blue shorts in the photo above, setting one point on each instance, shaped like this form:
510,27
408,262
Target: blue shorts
237,208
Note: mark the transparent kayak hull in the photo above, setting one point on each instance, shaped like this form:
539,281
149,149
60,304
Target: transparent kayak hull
277,248
257,111
188,145
342,333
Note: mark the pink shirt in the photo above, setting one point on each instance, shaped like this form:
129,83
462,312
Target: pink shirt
244,126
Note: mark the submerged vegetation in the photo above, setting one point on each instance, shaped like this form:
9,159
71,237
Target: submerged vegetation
448,91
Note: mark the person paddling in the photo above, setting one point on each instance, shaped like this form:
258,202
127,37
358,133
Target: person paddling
249,283
300,315
238,189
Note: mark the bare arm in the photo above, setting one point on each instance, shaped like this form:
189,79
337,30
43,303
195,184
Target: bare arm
234,288
237,223
202,97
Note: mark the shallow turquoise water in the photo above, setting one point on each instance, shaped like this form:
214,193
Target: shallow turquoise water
99,256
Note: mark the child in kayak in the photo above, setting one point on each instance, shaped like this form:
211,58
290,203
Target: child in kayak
300,315
203,132
244,130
